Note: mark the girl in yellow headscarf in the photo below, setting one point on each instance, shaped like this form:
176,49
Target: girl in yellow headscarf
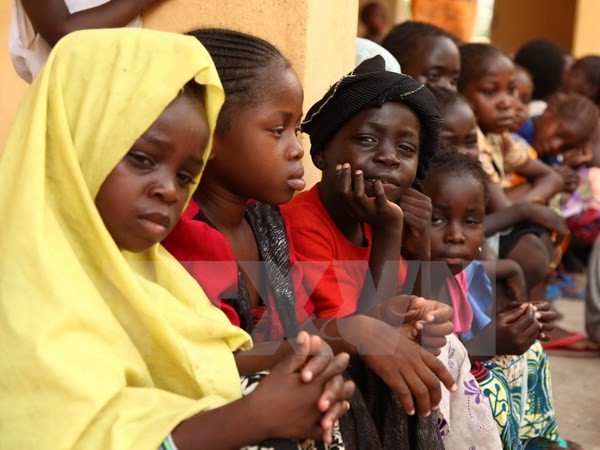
105,341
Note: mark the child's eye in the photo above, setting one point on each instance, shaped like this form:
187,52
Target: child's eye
297,130
140,159
433,76
437,220
472,221
488,92
277,131
471,142
406,148
185,178
364,138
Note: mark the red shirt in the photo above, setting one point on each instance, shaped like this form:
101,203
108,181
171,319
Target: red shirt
207,255
334,291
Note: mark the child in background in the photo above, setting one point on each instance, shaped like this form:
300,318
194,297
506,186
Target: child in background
487,81
425,52
372,135
584,78
257,129
36,26
374,17
515,378
106,341
546,63
523,125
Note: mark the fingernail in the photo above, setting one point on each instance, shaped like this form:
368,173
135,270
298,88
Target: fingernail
538,315
346,166
427,414
411,412
435,408
358,172
338,167
454,388
308,375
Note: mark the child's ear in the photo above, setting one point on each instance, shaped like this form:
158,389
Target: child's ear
319,160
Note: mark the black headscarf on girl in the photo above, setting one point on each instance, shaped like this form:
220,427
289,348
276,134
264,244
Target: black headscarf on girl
369,86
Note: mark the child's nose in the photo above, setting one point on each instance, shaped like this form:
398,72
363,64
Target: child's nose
166,189
454,234
297,151
386,154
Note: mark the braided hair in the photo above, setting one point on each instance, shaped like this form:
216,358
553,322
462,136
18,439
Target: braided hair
242,61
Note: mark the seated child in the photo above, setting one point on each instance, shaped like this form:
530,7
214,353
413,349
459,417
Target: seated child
584,78
487,81
106,341
509,363
372,135
221,222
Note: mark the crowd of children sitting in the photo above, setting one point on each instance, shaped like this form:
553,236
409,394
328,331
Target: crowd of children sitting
398,303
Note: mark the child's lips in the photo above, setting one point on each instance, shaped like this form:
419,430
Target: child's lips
296,181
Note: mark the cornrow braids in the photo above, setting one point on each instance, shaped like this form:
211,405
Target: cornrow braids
242,60
590,66
403,40
451,162
474,61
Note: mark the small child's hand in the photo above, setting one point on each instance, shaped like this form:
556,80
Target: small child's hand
516,329
427,322
377,210
569,176
434,324
545,316
288,404
417,210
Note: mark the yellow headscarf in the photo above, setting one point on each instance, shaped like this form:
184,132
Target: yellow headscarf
99,348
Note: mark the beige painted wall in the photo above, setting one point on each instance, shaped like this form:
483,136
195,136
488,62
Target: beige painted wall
585,35
12,88
517,21
316,36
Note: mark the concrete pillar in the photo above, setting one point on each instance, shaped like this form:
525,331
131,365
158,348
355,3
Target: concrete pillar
316,36
585,30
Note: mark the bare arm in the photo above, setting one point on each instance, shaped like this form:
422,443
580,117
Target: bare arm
409,370
52,19
544,181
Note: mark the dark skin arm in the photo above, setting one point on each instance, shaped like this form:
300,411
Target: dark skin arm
286,404
412,372
416,245
386,219
52,19
543,181
514,330
504,214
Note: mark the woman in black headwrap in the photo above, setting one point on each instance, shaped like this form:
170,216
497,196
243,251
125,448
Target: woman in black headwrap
373,135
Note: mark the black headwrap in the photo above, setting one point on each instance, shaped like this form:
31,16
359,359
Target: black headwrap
369,86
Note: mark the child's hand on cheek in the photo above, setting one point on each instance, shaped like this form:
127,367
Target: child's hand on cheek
417,210
377,211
